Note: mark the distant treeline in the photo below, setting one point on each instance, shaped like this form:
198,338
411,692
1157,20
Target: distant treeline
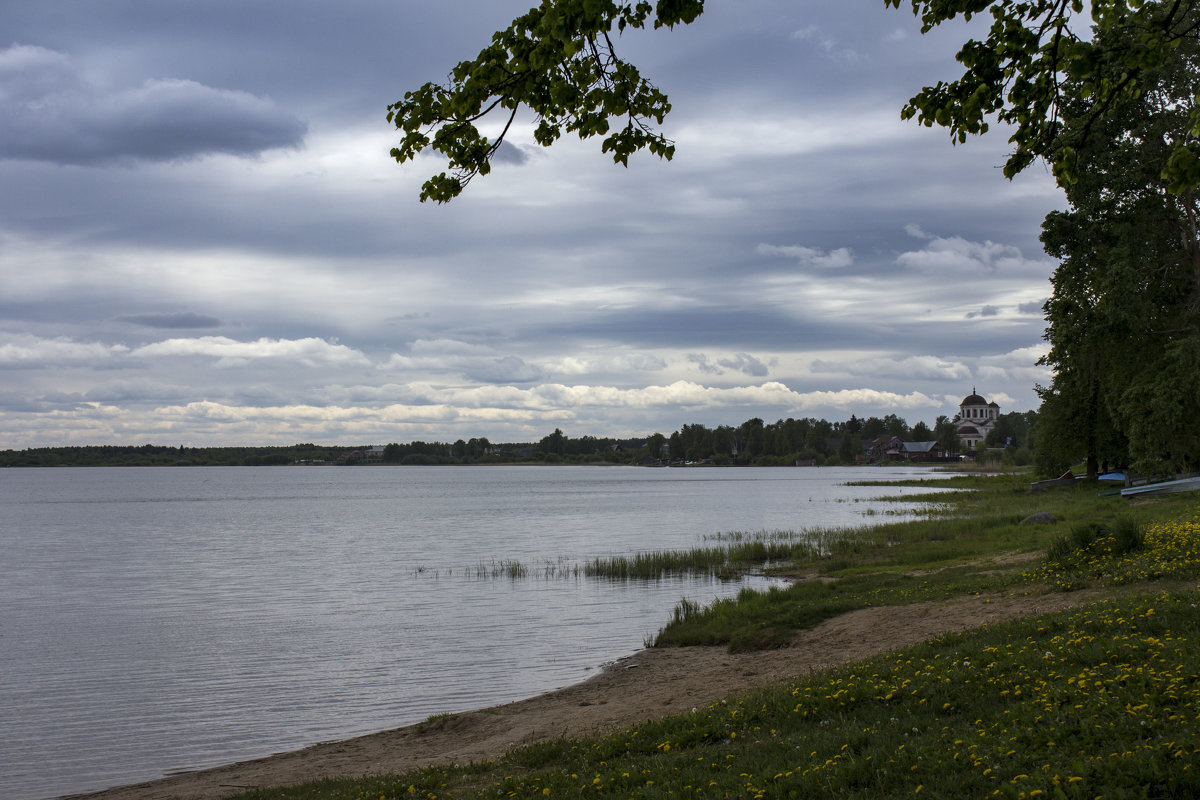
786,442
781,443
149,455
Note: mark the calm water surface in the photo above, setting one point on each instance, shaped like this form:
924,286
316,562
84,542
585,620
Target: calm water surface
154,620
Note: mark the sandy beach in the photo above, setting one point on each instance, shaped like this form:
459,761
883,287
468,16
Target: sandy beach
649,684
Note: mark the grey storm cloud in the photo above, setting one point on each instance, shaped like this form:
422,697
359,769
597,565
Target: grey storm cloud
702,363
18,402
986,311
1033,307
741,362
181,321
56,115
746,364
509,153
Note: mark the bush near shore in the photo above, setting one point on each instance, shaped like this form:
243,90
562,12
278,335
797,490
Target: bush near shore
1098,701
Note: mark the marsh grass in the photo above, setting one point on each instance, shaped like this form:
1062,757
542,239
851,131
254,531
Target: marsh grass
513,570
659,564
742,553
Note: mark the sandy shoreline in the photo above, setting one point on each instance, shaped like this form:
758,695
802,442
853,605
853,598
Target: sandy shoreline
649,684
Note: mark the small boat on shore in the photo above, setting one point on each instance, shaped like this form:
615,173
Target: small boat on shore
1066,479
1164,487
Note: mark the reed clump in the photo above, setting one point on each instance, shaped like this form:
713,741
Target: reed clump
742,552
513,570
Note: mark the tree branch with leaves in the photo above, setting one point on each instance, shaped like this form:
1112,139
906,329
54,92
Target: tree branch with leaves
560,62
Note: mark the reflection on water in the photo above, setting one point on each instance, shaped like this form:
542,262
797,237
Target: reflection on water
161,619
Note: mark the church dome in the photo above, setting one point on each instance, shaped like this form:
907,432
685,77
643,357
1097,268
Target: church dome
973,400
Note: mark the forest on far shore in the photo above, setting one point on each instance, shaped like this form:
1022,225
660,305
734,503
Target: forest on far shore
781,443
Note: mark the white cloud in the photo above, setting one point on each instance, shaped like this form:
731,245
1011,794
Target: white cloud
31,351
912,368
591,365
310,352
679,394
809,256
955,255
1017,366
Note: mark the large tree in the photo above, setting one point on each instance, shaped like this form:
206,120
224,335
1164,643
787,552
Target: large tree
1122,321
560,61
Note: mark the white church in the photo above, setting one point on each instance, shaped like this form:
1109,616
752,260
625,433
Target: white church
976,418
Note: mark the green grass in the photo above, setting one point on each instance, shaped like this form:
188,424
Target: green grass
755,620
1097,701
1123,552
976,545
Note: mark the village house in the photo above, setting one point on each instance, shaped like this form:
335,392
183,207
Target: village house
893,448
366,455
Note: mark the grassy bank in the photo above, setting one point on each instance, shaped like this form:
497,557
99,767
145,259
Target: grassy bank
1097,701
977,544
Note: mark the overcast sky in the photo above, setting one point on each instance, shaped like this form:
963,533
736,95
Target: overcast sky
204,241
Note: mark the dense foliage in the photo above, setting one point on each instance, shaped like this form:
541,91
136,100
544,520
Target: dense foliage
1124,318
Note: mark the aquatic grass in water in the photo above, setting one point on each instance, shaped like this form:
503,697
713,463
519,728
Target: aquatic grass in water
513,570
661,564
744,553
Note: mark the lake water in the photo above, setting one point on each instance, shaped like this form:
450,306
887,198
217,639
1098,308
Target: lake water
158,619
